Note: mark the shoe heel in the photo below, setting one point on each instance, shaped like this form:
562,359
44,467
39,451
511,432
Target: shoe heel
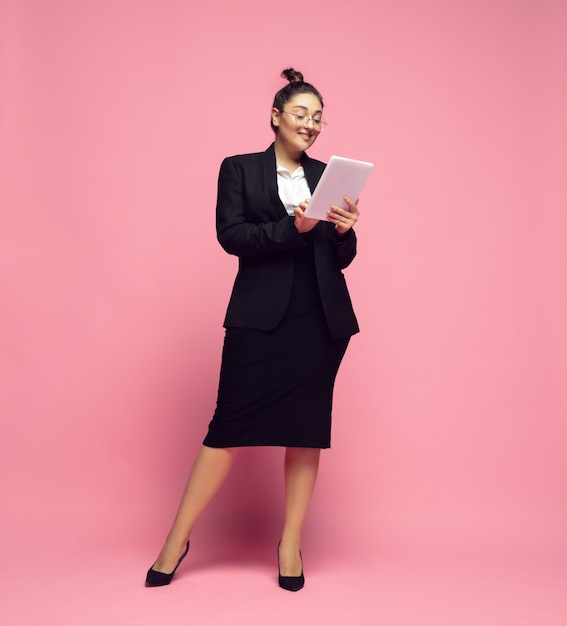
290,583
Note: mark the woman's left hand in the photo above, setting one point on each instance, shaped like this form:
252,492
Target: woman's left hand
344,219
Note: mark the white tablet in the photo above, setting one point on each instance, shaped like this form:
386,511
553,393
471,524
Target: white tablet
342,177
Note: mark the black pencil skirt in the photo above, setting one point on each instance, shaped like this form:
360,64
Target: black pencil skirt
276,387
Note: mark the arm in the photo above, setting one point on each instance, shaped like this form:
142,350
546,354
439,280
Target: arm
345,247
248,238
345,238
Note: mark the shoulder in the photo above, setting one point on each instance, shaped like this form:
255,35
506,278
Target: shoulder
241,167
251,167
244,158
252,158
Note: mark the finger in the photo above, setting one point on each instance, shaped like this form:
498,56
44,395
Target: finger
334,217
337,210
353,214
352,205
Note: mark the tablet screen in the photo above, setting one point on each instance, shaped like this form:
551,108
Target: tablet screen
342,177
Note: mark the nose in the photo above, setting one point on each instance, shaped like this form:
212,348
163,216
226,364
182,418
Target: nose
310,121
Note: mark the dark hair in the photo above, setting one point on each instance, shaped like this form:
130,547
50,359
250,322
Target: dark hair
296,85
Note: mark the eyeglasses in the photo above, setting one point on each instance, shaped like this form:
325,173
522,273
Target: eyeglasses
301,119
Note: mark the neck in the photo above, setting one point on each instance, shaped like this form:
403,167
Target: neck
290,159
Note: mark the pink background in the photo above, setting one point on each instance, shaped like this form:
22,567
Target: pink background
449,424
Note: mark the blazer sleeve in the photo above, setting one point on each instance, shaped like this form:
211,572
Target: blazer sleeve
243,227
345,248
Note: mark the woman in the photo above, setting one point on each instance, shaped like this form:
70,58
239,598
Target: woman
288,324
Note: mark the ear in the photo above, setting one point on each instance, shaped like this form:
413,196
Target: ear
275,117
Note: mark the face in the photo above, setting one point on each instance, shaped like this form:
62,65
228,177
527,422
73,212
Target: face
290,135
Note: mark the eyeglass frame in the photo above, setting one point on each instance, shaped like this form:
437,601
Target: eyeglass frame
323,122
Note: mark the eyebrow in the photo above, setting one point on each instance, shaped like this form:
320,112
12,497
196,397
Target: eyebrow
299,106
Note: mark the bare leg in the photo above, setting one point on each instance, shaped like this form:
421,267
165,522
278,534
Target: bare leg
209,471
301,466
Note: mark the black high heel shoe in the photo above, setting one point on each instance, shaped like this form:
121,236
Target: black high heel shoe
291,583
159,579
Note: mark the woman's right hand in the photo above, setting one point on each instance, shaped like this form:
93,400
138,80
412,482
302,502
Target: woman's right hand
302,223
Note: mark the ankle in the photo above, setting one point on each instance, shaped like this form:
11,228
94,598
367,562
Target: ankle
290,542
175,541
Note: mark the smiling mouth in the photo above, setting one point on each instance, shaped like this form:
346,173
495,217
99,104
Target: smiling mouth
306,136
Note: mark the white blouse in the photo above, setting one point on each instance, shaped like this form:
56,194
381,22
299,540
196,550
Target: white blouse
292,188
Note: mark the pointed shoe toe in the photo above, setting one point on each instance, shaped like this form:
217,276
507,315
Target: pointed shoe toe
160,579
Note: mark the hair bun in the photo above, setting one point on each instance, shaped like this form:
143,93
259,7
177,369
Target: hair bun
292,75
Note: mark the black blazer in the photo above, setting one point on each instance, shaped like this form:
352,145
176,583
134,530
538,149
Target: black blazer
252,223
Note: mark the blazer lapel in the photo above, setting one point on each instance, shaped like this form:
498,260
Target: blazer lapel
312,173
271,179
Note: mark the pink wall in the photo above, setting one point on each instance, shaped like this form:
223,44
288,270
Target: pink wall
450,424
